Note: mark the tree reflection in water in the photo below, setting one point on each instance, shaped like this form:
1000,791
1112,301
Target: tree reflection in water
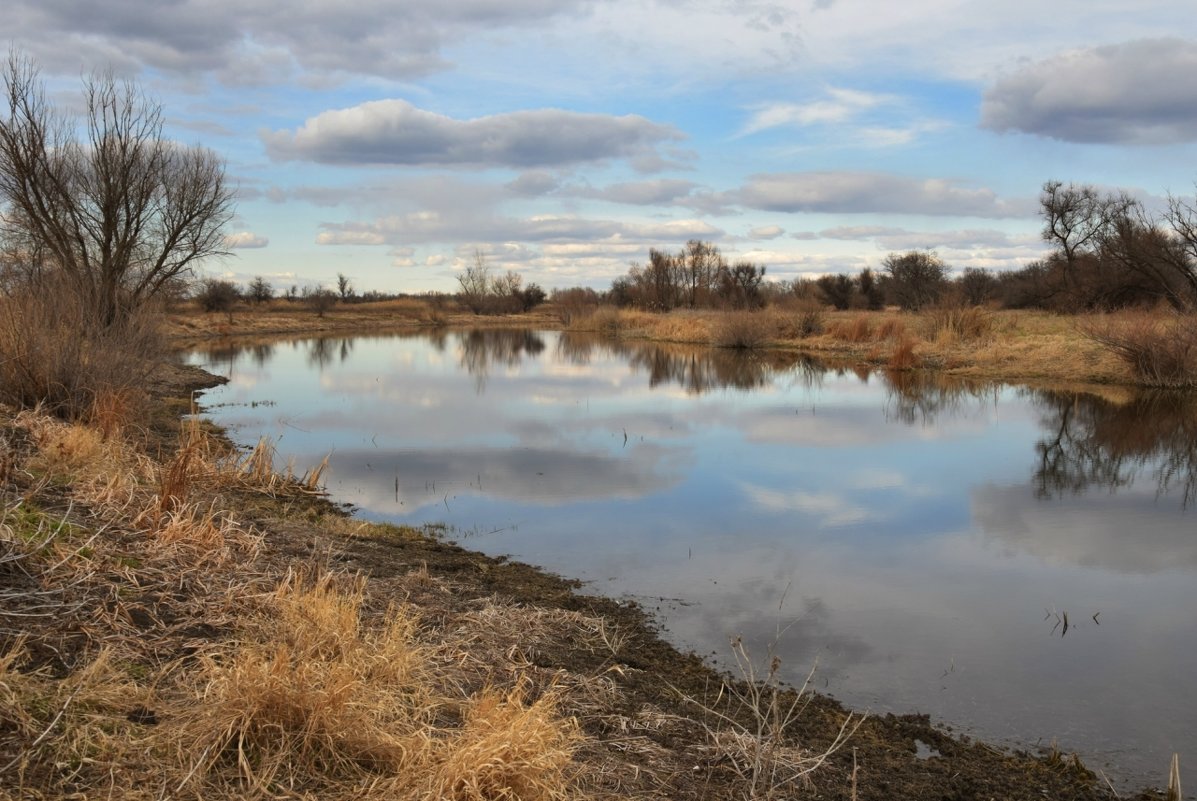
480,348
695,369
1094,442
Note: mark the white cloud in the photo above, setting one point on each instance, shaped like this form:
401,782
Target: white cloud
839,105
431,226
396,132
766,232
245,239
829,508
848,192
1139,92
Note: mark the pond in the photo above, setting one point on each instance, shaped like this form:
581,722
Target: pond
1016,562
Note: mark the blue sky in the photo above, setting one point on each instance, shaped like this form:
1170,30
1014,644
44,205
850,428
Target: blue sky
562,138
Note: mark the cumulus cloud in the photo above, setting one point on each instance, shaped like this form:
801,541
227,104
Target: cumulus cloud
245,239
849,192
1138,92
396,132
248,40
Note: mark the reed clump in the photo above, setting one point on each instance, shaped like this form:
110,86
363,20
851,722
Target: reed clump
951,324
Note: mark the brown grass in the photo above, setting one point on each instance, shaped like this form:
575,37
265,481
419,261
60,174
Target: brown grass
903,357
858,329
952,324
54,353
743,330
1158,352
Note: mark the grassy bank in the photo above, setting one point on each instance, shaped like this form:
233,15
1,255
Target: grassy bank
1130,348
177,620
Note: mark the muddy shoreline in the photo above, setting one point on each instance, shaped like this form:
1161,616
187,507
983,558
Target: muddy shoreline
886,758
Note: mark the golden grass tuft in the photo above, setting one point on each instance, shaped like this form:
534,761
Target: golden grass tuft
951,324
903,357
507,748
318,697
858,329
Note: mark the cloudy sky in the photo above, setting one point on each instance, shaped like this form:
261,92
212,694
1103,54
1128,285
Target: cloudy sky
391,139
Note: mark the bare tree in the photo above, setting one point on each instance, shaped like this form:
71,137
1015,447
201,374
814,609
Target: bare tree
260,290
915,278
112,205
475,283
344,287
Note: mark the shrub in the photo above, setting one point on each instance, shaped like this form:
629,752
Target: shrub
742,330
811,323
54,351
1159,353
217,295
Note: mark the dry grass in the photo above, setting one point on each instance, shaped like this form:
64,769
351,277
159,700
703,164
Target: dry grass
311,691
903,356
55,353
1160,352
857,329
743,330
753,733
952,324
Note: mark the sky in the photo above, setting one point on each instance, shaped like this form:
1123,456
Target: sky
392,140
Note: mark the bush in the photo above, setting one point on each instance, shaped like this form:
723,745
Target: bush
54,351
1159,353
216,295
742,330
811,323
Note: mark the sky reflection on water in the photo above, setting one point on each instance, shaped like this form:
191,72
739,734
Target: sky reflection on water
922,537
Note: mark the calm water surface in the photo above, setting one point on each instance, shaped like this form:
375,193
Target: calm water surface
921,540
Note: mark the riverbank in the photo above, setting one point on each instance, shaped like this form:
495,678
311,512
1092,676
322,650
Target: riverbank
980,344
183,621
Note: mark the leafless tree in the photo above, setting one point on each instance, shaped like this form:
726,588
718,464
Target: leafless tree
475,283
916,278
344,287
111,205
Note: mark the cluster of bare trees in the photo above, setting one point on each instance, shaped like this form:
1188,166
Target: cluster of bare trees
697,276
1110,251
485,293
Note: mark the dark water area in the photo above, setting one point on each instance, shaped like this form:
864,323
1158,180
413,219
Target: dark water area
1019,563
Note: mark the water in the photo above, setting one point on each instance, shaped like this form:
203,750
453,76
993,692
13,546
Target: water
922,541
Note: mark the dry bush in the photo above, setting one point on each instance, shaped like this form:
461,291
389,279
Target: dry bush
754,731
947,324
858,329
743,329
55,353
800,324
1159,352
